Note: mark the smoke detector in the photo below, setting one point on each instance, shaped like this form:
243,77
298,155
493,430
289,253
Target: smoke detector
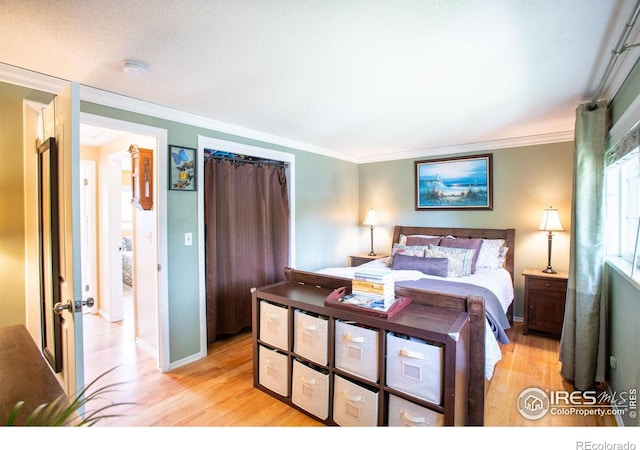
134,68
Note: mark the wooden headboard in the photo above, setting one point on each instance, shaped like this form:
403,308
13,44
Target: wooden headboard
508,234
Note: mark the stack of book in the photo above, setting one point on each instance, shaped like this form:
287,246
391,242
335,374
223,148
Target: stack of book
373,287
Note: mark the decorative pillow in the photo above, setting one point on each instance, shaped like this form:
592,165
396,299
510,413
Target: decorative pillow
471,244
402,240
423,240
459,259
430,266
489,255
411,250
503,256
126,244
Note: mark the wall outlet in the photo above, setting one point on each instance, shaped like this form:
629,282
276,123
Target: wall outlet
188,239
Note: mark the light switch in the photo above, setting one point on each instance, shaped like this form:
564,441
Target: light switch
188,239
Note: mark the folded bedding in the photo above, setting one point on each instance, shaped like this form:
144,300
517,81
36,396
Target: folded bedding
496,316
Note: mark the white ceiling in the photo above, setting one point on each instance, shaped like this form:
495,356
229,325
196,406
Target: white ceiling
368,79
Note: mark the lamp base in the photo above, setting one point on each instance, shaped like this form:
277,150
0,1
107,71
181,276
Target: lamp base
372,254
549,270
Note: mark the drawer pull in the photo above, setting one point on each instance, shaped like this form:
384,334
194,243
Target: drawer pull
309,380
309,327
547,284
410,354
410,420
348,337
352,398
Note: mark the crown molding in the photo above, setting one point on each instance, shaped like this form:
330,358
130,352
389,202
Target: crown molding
47,83
105,98
522,141
31,80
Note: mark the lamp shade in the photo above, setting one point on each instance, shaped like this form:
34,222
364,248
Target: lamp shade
550,220
371,219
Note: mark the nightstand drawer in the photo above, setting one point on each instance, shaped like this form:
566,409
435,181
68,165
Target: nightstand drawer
544,301
548,285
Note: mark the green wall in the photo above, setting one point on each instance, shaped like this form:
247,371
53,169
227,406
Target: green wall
326,198
525,181
624,335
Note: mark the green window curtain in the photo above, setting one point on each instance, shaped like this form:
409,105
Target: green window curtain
582,345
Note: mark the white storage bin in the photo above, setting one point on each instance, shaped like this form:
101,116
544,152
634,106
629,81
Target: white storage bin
272,372
274,325
403,413
414,366
310,336
310,390
356,350
354,405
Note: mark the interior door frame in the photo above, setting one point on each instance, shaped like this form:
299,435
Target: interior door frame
161,163
249,150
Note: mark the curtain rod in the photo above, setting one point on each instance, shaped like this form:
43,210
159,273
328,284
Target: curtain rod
621,47
267,162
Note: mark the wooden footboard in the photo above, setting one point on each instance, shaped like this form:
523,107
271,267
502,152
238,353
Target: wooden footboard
473,305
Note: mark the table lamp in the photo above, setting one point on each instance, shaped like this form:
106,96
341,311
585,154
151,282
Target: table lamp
550,223
371,221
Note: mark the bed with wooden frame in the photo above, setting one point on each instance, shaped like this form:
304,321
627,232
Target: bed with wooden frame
474,305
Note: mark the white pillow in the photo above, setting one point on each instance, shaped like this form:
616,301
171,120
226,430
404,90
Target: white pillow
491,254
403,238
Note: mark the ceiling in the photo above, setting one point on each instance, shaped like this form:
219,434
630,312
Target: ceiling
363,79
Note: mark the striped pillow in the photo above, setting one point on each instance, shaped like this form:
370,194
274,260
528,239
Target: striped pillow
460,259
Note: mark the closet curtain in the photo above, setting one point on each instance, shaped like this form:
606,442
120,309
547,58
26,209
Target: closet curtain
582,344
247,238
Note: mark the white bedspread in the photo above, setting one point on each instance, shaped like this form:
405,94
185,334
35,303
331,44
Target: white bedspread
496,280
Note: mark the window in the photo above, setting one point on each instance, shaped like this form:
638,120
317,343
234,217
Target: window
623,210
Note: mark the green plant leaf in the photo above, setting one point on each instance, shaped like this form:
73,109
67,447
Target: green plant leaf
65,410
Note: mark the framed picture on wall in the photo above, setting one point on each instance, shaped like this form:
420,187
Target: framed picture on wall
454,183
182,168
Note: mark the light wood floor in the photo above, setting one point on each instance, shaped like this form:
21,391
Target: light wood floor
218,390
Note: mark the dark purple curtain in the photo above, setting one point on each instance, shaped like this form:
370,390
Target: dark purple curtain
247,238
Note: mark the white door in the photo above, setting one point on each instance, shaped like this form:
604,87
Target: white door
62,121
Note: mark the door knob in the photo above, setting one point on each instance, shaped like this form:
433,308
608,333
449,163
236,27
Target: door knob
59,307
70,306
80,303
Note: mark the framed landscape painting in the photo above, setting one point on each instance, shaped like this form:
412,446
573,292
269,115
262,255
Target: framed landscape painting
455,183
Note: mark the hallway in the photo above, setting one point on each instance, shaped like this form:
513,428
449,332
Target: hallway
108,345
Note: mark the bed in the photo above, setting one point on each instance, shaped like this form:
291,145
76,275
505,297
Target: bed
486,294
127,261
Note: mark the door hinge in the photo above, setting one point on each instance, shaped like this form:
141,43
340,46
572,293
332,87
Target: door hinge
159,268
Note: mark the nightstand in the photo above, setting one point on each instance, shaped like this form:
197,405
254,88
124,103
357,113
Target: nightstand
361,258
544,299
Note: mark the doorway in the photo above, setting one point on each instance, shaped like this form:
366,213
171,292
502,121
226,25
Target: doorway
119,225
